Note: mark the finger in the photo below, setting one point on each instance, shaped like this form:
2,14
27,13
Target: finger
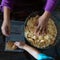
17,43
7,30
4,32
36,30
44,30
40,30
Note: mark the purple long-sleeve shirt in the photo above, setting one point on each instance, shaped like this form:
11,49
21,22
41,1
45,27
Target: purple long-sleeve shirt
49,6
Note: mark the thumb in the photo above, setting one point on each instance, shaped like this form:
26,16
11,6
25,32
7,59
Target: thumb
7,31
37,28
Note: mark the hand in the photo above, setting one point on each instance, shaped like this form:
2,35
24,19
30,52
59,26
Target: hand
20,44
41,24
6,28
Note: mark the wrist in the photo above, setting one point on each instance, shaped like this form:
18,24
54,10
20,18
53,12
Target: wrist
24,47
6,20
46,14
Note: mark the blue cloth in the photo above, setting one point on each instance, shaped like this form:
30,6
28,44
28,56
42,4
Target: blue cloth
42,56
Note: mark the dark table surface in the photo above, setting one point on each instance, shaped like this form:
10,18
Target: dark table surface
55,52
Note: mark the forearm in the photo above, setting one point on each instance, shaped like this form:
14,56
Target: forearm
46,14
6,15
35,53
31,51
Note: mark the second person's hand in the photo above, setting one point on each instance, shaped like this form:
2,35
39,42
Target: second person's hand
20,44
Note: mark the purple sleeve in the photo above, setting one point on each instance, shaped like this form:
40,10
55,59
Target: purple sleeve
8,3
50,5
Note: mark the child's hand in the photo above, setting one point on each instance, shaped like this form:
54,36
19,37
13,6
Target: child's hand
6,28
20,44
